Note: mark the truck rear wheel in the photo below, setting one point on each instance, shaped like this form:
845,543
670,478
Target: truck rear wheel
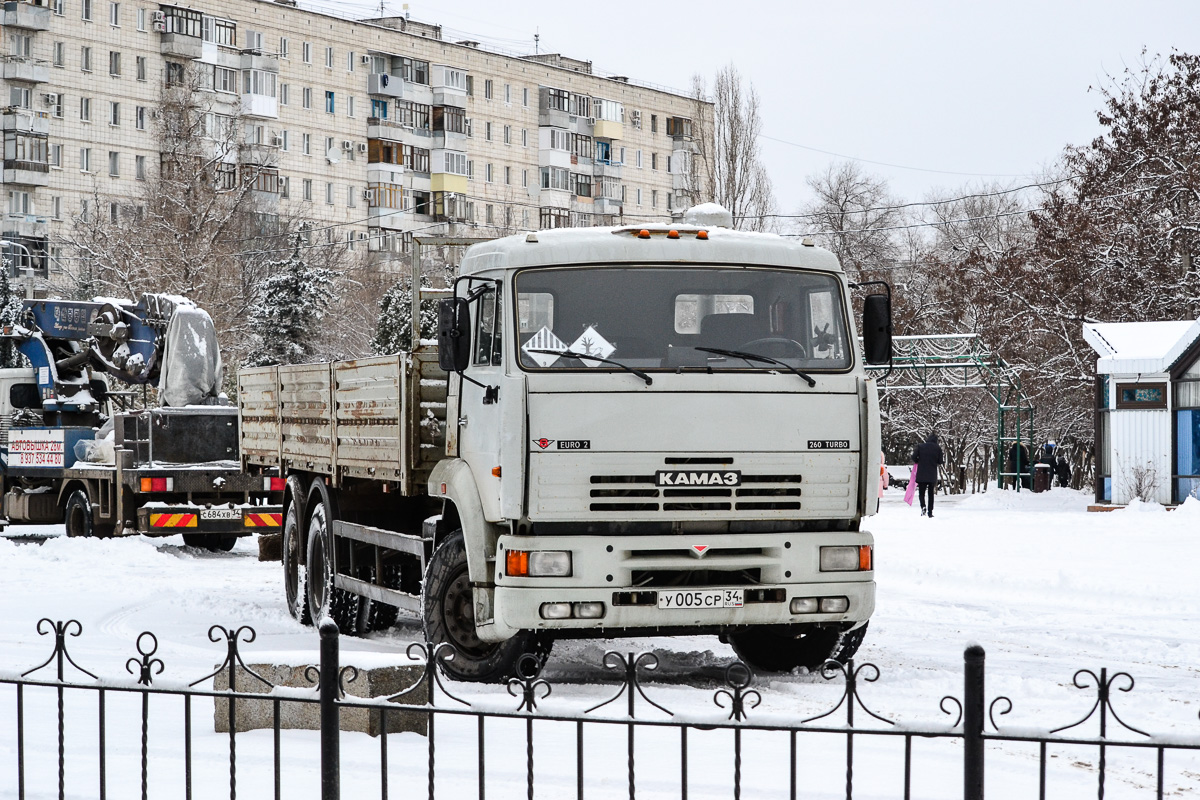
295,587
774,651
450,618
78,518
325,599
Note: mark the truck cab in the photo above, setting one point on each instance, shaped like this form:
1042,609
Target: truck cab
654,430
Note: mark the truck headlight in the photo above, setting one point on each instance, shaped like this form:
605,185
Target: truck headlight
556,610
538,563
804,605
834,605
846,558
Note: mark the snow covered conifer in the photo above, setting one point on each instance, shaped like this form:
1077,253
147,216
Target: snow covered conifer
10,312
292,301
393,332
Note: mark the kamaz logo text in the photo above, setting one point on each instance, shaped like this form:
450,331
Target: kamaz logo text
698,478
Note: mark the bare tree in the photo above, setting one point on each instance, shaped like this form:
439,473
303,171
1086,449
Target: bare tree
726,167
855,213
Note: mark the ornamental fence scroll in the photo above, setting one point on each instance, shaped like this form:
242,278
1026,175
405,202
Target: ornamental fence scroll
159,752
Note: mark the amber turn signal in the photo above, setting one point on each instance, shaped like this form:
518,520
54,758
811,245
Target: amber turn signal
516,563
864,556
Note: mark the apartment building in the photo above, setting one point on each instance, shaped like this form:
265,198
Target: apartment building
374,129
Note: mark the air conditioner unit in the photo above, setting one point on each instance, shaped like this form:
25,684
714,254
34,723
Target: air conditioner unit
49,99
366,195
276,140
362,147
347,144
159,26
591,120
158,16
366,59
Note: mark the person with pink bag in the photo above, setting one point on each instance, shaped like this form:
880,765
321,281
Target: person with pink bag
927,457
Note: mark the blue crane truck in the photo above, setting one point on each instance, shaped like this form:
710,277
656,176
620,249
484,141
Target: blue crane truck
74,450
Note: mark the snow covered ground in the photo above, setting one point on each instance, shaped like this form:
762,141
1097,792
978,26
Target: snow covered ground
1045,587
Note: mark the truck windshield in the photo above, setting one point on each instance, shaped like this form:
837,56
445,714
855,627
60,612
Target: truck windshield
656,318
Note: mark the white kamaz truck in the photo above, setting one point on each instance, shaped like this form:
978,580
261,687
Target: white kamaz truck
622,432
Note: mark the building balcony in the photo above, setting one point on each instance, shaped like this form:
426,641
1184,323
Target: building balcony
603,168
378,128
25,226
260,105
27,16
26,173
607,129
21,68
18,119
385,217
181,46
448,140
254,59
449,96
381,83
606,205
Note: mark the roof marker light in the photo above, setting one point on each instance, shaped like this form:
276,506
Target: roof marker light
643,234
672,234
701,234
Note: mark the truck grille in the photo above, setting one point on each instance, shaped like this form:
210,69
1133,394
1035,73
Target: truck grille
639,493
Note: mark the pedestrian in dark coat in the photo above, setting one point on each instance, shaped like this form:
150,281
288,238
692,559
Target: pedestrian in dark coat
928,457
1063,470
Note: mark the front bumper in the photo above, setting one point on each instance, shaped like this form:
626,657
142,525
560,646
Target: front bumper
607,569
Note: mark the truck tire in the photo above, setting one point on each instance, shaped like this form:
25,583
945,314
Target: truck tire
324,599
450,617
381,616
212,542
294,574
78,518
773,651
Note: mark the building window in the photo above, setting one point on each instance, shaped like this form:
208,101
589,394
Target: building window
59,7
308,188
283,47
284,143
638,159
259,82
654,161
488,173
175,74
455,163
487,89
141,20
525,96
583,185
85,10
351,199
525,178
140,66
639,197
524,137
329,58
330,103
329,194
306,147
56,155
379,108
654,198
507,134
114,62
114,114
19,96
113,212
114,14
85,159
558,100
488,216
508,176
139,167
85,109
60,54
350,61
306,97
283,94
350,106
114,164
556,178
85,59
306,53
1141,395
507,94
56,208
56,105
654,123
555,218
487,131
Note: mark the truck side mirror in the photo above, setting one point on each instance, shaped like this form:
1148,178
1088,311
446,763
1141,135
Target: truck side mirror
454,334
877,328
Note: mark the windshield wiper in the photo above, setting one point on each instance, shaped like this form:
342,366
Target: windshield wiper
573,354
756,357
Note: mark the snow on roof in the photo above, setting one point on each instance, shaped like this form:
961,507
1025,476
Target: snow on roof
1139,347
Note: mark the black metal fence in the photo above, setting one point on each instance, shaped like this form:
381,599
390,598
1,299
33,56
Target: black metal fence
683,746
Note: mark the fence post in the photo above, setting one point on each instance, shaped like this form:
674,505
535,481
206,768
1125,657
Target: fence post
330,741
973,700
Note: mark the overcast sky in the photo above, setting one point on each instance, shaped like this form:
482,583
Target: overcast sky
947,93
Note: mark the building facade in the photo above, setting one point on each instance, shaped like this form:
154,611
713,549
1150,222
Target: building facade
374,129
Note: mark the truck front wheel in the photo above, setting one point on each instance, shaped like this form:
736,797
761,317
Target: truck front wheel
450,618
770,650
